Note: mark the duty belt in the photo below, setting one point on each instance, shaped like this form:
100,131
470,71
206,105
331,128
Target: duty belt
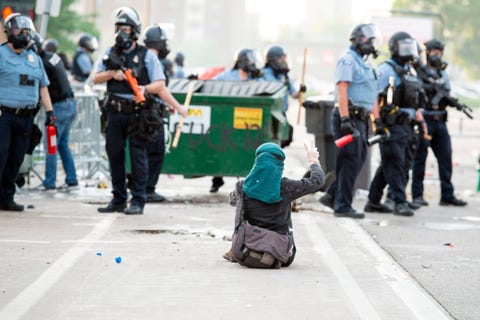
122,105
21,112
359,113
434,114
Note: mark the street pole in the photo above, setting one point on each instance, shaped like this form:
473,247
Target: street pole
44,19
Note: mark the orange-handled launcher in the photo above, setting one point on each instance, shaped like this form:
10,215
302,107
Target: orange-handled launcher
346,139
132,81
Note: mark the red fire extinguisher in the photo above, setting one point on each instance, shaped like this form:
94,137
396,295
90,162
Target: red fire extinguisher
51,139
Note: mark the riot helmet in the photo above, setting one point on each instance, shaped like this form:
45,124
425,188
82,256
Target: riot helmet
363,39
126,16
245,59
50,45
156,38
403,48
179,59
434,53
276,58
19,30
88,42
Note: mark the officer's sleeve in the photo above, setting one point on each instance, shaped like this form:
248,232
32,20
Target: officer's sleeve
154,67
382,76
44,81
100,65
291,87
84,63
447,81
221,76
267,75
344,70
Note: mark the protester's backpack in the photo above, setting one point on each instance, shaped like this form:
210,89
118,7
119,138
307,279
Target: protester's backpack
257,247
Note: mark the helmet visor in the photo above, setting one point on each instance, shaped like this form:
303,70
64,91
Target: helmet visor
370,31
93,44
407,48
131,13
22,22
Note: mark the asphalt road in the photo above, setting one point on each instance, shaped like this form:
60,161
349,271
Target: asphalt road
63,260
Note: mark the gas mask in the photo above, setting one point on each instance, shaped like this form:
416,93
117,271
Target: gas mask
435,60
123,40
253,71
163,52
368,47
21,40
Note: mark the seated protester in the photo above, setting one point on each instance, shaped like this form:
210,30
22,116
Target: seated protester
263,236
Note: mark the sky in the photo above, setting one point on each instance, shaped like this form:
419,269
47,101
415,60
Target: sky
275,12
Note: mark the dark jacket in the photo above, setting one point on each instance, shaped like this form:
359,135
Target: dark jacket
277,216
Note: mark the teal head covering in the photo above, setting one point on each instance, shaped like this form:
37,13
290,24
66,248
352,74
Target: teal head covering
263,181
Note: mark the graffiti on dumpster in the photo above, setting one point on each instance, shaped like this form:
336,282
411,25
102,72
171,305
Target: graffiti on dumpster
253,137
198,128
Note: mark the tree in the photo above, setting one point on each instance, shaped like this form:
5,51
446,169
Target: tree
461,33
68,26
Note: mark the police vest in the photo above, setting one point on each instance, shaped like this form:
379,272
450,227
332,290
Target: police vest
409,94
435,86
59,87
76,71
134,60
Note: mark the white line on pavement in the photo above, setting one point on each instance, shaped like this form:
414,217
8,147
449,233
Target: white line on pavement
422,305
362,307
25,300
24,241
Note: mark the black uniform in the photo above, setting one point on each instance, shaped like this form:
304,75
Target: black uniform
122,122
437,86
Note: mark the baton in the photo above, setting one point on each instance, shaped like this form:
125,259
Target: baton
178,130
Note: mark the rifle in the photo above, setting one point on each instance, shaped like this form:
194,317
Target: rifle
453,102
444,96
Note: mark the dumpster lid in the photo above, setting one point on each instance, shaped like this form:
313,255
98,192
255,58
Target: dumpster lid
227,88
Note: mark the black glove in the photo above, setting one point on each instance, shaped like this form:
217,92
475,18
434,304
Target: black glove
380,127
303,88
346,126
49,118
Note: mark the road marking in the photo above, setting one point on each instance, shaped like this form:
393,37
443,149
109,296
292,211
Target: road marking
25,300
24,241
422,305
362,307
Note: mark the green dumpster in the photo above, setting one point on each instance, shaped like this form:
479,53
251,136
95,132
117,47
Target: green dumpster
227,121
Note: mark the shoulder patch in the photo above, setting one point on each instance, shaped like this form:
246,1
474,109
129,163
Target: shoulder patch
347,62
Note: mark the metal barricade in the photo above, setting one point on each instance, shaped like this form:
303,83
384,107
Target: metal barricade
86,140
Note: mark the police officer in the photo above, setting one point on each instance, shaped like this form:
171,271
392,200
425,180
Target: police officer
437,87
51,45
156,40
122,109
277,69
179,61
82,64
355,94
65,108
244,69
23,83
396,117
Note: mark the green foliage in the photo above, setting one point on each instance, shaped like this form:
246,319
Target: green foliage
68,26
461,34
